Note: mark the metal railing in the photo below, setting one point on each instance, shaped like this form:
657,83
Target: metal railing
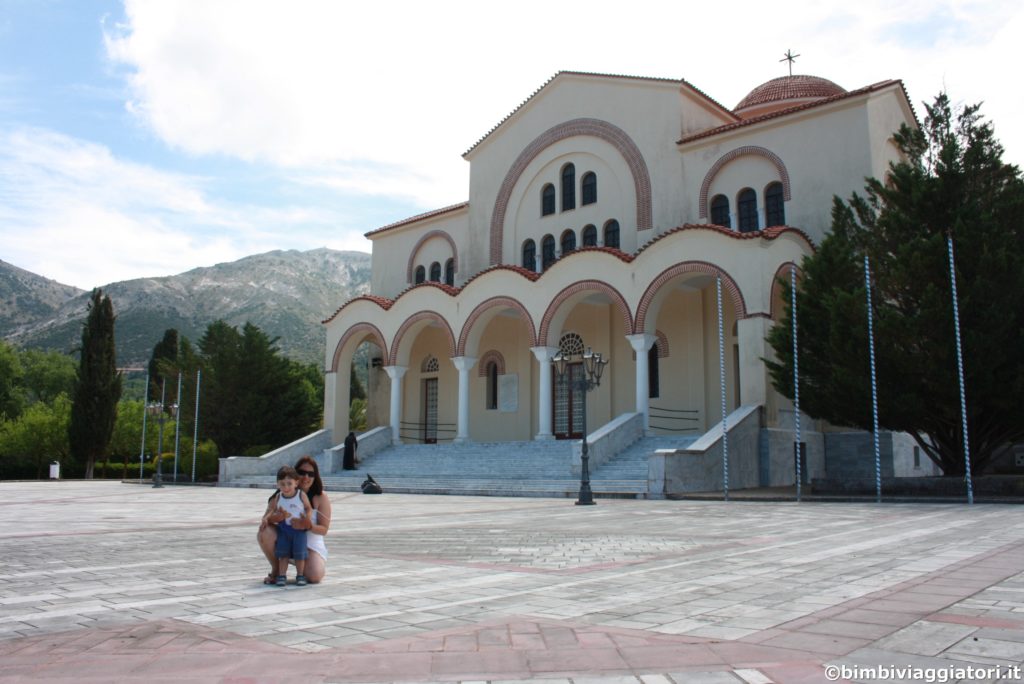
443,432
674,420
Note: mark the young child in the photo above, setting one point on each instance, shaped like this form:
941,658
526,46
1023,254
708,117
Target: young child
291,503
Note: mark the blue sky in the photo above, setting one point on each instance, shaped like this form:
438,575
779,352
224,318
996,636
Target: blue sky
146,138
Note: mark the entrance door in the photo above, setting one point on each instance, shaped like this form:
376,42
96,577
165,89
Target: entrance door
430,411
568,405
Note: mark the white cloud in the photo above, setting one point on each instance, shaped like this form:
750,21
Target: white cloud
406,87
345,105
72,211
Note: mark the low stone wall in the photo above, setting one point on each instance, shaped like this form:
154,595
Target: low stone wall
778,467
313,445
607,441
370,442
698,468
851,455
1010,486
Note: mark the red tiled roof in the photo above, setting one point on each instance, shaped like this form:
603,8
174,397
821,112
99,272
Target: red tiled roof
792,110
382,302
418,217
767,233
789,88
723,110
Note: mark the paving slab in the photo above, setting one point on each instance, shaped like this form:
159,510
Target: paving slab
107,581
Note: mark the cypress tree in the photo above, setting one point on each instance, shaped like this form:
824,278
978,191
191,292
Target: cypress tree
97,386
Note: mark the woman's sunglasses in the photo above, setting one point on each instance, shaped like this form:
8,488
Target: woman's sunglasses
306,473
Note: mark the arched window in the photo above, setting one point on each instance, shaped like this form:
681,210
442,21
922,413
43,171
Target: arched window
449,272
588,186
492,385
653,373
774,212
547,252
720,211
530,255
570,344
568,242
611,234
421,275
568,187
746,203
590,235
435,272
430,365
547,200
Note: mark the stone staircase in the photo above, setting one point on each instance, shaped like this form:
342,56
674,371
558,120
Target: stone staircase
531,468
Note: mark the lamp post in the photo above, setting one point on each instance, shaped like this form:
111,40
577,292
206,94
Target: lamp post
593,367
154,409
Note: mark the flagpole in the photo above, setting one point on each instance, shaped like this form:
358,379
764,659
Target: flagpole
195,431
721,375
796,377
960,373
874,383
142,449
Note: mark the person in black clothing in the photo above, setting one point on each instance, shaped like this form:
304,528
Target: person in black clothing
349,460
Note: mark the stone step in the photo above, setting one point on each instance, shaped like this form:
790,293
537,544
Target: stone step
498,469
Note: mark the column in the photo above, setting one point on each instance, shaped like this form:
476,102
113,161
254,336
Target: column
642,344
544,392
396,373
333,421
464,364
750,336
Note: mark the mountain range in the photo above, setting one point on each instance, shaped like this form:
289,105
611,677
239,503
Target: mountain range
286,293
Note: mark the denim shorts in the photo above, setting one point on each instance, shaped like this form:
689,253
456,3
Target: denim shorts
291,543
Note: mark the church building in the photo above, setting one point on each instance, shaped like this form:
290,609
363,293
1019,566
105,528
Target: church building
635,217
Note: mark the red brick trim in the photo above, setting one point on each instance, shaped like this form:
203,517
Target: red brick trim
411,321
662,344
363,329
492,355
574,289
596,128
776,295
479,311
728,284
747,150
420,243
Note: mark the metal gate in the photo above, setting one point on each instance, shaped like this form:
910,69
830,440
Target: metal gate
430,411
568,405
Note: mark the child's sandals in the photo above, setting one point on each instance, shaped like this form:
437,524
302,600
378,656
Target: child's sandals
301,580
281,580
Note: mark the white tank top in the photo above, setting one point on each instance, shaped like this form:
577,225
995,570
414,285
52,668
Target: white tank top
293,507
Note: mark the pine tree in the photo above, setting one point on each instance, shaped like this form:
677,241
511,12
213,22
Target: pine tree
97,386
165,353
254,398
951,182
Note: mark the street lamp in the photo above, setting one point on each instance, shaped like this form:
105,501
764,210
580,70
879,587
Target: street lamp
593,367
161,409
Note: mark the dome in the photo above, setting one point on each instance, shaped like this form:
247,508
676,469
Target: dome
784,92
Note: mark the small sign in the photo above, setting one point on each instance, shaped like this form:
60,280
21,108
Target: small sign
508,393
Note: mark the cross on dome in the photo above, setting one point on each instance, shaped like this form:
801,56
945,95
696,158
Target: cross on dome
790,57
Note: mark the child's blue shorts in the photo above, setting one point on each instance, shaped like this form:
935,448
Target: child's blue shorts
291,543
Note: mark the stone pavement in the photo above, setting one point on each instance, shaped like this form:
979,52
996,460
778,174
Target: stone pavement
111,582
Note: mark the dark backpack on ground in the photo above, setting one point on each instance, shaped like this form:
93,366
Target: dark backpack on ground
370,486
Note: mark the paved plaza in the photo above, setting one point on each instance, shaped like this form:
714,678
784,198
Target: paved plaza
112,582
